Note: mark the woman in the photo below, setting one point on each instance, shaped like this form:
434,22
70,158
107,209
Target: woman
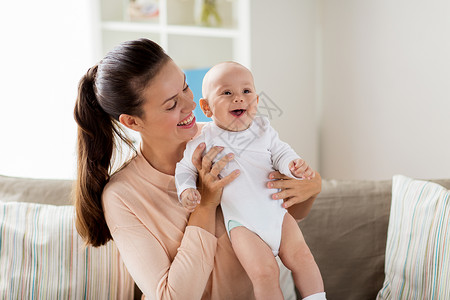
169,253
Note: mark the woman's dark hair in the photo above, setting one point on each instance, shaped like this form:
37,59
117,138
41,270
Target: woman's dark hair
112,87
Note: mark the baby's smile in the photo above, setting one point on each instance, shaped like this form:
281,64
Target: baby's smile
238,112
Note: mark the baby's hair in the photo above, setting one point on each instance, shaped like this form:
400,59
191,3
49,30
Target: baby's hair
207,76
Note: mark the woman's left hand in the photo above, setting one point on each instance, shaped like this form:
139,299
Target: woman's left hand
294,191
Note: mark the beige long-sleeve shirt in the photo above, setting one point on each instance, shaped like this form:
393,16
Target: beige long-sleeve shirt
167,258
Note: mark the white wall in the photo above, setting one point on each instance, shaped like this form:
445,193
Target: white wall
284,68
46,46
386,89
372,75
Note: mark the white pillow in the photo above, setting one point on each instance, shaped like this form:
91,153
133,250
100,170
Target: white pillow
417,262
43,257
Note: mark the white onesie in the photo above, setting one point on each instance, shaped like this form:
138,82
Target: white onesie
246,200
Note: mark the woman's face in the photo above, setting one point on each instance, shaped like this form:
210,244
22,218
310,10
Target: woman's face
168,107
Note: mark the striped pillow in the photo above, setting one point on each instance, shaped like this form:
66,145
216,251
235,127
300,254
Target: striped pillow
43,257
418,249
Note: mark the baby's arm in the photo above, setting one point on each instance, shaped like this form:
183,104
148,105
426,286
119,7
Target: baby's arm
300,169
190,198
282,154
286,160
186,175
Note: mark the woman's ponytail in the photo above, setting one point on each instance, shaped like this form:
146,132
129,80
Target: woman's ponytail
113,87
94,147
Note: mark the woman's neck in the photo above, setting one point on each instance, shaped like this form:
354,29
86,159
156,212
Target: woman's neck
163,157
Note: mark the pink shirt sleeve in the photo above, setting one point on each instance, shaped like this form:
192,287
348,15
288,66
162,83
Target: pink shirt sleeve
145,253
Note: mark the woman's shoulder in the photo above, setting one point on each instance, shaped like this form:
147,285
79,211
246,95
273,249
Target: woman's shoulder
121,181
135,179
124,189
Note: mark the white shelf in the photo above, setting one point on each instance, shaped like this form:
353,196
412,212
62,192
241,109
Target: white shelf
171,29
131,27
174,29
203,31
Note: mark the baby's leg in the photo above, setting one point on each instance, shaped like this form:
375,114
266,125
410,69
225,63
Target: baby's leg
258,261
297,257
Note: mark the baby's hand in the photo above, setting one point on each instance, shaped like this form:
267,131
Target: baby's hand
190,198
300,169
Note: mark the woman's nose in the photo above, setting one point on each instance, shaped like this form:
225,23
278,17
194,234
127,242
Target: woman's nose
193,104
189,104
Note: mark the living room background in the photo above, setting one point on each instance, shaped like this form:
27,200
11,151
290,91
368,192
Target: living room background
368,90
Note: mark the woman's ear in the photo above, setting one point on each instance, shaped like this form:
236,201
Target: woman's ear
205,107
131,122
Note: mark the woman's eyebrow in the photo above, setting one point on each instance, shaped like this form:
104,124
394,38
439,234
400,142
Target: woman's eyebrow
168,99
171,98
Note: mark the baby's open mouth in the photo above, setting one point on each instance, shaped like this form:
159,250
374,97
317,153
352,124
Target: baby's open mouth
237,112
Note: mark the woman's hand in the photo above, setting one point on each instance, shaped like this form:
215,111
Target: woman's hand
210,184
298,195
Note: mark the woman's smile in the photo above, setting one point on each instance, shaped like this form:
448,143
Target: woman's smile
187,122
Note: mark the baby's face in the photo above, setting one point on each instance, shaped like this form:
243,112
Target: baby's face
231,96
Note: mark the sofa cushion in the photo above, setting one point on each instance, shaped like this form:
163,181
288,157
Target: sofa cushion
43,257
417,250
346,232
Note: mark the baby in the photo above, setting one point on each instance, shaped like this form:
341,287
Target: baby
258,226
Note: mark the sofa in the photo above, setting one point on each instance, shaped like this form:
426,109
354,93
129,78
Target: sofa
346,230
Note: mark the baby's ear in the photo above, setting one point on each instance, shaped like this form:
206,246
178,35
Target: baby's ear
205,107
